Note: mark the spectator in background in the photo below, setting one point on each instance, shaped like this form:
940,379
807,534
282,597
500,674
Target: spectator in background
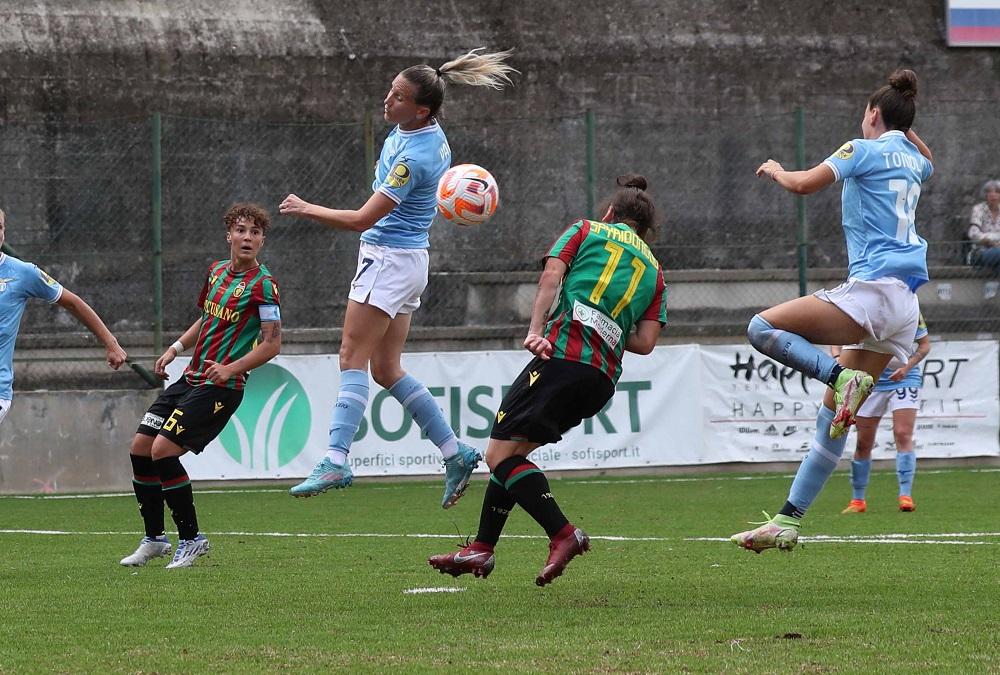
984,227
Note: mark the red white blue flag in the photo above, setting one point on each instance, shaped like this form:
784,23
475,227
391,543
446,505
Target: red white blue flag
974,23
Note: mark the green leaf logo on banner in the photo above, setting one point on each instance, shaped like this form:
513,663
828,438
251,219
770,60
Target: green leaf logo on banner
271,426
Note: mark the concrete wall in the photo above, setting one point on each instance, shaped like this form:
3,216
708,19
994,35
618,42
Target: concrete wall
69,441
694,94
300,59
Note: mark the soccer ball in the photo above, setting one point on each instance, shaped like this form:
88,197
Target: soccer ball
467,194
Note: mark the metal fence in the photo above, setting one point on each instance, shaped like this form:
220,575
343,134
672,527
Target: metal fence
128,213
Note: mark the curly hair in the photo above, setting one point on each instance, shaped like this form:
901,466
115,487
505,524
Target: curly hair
255,213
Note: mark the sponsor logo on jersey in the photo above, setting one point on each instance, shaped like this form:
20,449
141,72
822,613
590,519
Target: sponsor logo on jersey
220,312
500,415
152,421
398,176
594,318
47,279
846,151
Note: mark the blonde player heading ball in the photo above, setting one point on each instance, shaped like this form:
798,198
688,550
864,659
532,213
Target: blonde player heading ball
392,267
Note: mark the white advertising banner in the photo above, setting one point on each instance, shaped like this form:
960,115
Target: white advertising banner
757,410
685,404
280,429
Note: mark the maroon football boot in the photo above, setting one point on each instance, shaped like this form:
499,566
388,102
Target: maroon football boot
474,559
562,549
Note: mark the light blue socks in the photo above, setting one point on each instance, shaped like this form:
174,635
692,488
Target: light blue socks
417,400
790,349
824,454
861,470
347,413
906,466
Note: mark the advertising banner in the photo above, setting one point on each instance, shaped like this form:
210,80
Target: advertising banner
680,405
756,410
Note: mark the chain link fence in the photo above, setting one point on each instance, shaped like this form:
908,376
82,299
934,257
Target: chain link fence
80,203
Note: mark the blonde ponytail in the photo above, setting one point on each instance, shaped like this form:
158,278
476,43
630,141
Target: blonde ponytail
473,68
479,70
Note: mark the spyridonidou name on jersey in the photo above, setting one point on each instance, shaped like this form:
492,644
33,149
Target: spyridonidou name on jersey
882,179
408,170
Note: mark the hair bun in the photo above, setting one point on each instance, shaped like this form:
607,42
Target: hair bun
632,180
905,82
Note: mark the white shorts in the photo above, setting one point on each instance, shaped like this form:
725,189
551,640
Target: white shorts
391,279
886,308
4,407
881,402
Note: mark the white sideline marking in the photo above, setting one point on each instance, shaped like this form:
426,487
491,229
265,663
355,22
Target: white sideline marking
326,535
952,538
946,538
562,481
440,589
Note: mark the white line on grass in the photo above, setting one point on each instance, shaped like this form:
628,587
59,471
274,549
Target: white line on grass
439,589
573,481
954,538
876,539
328,535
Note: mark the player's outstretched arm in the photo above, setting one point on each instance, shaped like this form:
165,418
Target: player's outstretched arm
86,315
912,137
377,207
799,182
644,338
268,346
183,342
548,289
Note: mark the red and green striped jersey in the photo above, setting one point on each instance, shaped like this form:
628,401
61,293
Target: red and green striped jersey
230,321
613,282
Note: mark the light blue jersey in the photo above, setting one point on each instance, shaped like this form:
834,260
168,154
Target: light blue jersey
407,172
914,376
882,179
18,282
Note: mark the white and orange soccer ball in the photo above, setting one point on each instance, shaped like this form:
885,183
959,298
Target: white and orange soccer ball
467,194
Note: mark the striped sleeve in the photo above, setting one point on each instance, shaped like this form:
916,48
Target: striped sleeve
657,309
568,243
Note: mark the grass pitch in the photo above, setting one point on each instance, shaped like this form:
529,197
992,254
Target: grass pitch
660,592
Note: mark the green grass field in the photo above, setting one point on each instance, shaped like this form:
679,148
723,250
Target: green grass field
650,597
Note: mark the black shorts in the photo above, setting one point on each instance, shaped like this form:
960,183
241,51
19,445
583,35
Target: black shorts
190,416
548,399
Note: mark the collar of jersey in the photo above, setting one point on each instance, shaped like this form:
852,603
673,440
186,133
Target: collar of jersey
230,270
3,258
892,132
416,132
